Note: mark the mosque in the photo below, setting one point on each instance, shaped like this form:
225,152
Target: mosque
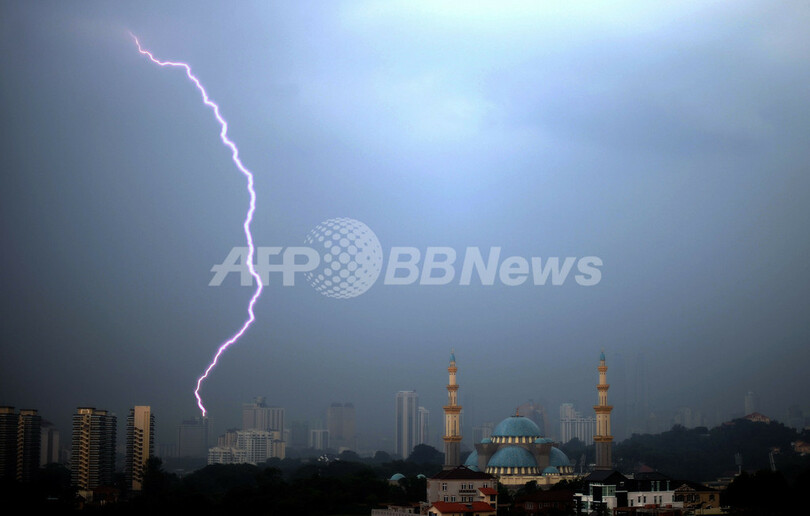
516,452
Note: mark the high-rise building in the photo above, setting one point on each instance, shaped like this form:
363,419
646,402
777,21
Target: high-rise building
340,421
93,448
751,404
299,436
319,438
259,416
452,419
260,445
424,426
482,431
573,424
603,437
407,429
29,438
535,412
49,444
140,444
192,438
19,443
8,442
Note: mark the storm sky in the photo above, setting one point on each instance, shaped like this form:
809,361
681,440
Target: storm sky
668,139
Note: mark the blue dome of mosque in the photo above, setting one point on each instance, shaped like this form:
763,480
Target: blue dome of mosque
512,457
472,460
543,440
516,426
486,440
558,458
551,470
396,477
420,476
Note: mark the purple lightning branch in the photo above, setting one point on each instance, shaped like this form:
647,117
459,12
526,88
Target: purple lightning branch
223,135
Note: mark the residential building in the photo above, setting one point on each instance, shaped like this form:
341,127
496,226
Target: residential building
140,444
93,448
259,416
20,441
575,425
49,451
463,485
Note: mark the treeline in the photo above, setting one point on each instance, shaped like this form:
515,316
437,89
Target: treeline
701,454
344,485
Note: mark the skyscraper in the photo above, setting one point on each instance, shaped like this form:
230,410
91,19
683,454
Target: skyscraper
19,443
319,438
452,419
140,444
192,438
603,437
259,416
49,444
424,426
93,448
340,421
8,442
407,428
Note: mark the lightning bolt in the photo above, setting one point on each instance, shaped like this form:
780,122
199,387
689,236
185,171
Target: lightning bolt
223,135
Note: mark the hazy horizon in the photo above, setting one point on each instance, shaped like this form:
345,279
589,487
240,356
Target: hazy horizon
670,141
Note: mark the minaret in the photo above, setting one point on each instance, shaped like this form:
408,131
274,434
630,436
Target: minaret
603,439
452,419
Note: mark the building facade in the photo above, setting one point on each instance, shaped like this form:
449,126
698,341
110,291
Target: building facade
259,416
407,424
517,453
20,441
140,444
575,425
192,438
93,448
319,438
340,421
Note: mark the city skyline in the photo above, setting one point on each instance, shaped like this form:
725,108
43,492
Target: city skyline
669,141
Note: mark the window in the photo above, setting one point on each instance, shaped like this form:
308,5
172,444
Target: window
444,486
453,498
446,498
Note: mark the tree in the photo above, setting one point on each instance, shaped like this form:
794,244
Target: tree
424,454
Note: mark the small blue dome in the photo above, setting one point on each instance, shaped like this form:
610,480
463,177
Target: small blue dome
517,426
551,470
396,477
512,457
558,458
472,460
486,440
543,440
420,476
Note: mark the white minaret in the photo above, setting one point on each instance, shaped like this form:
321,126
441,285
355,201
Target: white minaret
603,439
452,419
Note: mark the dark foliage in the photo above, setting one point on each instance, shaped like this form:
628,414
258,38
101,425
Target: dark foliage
700,454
